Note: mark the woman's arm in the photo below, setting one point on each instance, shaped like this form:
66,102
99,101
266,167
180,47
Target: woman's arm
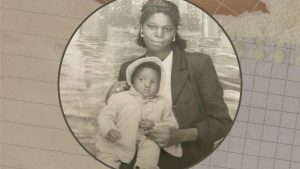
217,122
116,88
187,135
121,84
166,132
167,136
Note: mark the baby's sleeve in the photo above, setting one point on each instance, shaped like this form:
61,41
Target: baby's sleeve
108,116
167,118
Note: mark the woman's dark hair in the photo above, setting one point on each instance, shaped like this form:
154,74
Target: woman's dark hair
150,65
168,8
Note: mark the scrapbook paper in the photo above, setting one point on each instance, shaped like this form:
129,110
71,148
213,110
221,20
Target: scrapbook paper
34,134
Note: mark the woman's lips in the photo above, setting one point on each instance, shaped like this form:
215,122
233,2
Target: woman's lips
157,43
147,91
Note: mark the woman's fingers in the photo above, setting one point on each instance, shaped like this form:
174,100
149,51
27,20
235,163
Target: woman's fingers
125,85
161,130
161,141
157,137
116,88
155,133
120,86
164,136
146,124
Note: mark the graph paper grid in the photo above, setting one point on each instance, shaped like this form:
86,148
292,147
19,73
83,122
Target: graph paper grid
266,133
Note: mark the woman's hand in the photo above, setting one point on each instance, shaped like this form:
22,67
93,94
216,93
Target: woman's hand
116,88
166,136
119,87
146,124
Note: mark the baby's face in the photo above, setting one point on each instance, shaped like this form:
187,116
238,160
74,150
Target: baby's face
146,82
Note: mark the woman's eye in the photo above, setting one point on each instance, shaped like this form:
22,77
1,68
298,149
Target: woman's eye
151,27
168,29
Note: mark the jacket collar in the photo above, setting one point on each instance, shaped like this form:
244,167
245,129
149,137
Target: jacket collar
179,73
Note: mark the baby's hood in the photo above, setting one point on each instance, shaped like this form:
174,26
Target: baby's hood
130,69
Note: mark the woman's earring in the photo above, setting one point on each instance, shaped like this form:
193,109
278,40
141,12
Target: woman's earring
142,34
174,39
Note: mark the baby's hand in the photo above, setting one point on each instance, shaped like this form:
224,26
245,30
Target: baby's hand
113,135
146,124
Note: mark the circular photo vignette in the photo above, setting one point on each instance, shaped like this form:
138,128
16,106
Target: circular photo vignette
107,38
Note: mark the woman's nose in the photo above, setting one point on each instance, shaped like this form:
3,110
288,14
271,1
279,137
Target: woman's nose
159,32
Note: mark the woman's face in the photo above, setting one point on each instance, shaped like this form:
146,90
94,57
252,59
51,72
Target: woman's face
159,32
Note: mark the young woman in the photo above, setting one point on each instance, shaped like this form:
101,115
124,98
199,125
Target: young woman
192,88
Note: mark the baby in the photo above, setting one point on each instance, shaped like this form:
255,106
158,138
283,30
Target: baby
125,120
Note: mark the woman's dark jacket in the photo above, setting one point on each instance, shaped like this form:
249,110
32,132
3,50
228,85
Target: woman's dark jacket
197,103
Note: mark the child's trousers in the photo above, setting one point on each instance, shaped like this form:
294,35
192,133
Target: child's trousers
147,156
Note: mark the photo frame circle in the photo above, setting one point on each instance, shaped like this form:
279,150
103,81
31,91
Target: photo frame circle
107,38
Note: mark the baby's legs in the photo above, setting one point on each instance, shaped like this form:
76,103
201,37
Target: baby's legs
109,159
147,155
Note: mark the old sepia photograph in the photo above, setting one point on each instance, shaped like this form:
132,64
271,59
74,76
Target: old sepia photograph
149,84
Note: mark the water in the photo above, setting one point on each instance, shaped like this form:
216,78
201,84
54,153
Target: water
93,58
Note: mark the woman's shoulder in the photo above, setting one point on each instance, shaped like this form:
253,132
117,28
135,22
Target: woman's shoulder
197,60
197,56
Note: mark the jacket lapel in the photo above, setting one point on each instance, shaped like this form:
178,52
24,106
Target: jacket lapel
179,73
